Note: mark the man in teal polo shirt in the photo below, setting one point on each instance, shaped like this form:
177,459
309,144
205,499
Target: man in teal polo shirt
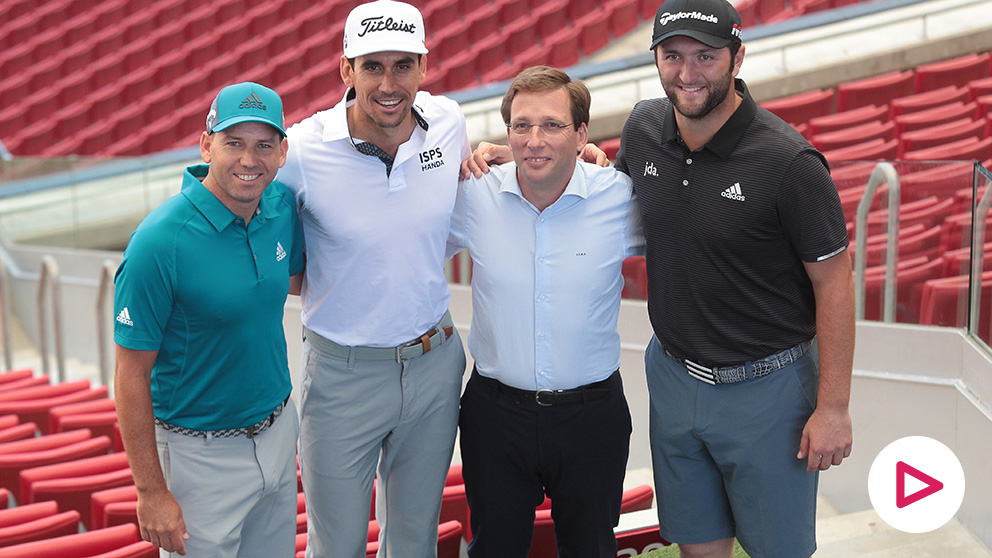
201,380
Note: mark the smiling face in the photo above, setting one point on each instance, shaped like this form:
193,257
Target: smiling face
544,162
385,86
698,79
243,162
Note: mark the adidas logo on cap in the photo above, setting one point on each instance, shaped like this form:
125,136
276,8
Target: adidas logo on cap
252,101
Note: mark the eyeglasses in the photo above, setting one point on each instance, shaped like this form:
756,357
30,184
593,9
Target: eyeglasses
549,128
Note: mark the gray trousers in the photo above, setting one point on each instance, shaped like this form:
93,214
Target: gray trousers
366,419
238,495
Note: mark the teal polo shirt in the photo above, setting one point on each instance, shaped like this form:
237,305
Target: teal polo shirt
208,293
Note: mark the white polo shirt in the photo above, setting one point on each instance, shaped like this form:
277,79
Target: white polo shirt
375,244
546,284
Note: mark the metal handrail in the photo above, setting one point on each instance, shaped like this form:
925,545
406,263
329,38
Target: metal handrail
49,281
102,323
978,251
883,173
8,356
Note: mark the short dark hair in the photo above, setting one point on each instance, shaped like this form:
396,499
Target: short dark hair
545,78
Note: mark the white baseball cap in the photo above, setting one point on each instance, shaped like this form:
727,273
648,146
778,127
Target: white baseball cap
384,25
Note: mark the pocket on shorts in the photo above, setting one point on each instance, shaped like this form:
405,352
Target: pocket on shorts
308,369
807,375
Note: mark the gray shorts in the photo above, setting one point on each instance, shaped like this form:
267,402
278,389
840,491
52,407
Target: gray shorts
724,456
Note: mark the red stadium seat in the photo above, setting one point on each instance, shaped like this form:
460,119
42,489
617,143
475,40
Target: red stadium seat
36,410
955,72
57,525
970,149
44,392
934,117
6,421
945,303
454,505
960,129
875,90
18,432
27,512
909,285
101,500
624,16
13,375
958,262
979,88
929,100
12,465
847,119
855,134
872,150
72,484
640,541
929,211
32,381
91,544
635,278
95,406
611,147
799,108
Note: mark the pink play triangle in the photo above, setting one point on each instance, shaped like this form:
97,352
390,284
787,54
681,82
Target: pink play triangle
903,469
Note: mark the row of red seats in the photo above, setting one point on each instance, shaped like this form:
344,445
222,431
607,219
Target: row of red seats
65,478
882,89
127,78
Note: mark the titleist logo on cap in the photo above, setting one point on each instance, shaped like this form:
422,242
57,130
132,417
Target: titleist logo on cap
373,24
666,18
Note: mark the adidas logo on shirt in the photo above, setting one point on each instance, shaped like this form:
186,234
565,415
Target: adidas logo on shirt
280,252
734,192
125,317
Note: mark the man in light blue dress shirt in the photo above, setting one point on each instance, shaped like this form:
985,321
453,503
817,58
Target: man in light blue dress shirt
544,411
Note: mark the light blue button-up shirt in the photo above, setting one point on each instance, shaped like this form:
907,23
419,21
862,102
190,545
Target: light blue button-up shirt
546,284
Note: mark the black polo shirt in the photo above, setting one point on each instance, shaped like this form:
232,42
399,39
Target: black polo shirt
728,227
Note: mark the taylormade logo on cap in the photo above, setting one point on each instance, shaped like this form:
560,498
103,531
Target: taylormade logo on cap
666,18
715,23
384,25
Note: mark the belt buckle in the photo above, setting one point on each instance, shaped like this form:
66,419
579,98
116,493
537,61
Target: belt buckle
250,432
546,402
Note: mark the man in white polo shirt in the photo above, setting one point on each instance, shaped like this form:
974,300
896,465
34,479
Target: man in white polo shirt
375,180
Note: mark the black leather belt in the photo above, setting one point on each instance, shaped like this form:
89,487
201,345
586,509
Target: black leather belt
550,397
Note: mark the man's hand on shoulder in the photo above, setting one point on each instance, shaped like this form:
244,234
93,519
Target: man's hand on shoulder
593,154
477,164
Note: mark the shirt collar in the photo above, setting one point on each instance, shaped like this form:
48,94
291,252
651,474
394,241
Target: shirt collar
337,127
576,187
219,216
729,134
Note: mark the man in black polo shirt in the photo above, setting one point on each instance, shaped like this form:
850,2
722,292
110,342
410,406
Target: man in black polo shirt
750,297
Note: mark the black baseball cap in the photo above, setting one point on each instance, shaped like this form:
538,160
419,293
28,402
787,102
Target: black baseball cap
715,23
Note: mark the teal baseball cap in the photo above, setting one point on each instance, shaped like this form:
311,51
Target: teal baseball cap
245,102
